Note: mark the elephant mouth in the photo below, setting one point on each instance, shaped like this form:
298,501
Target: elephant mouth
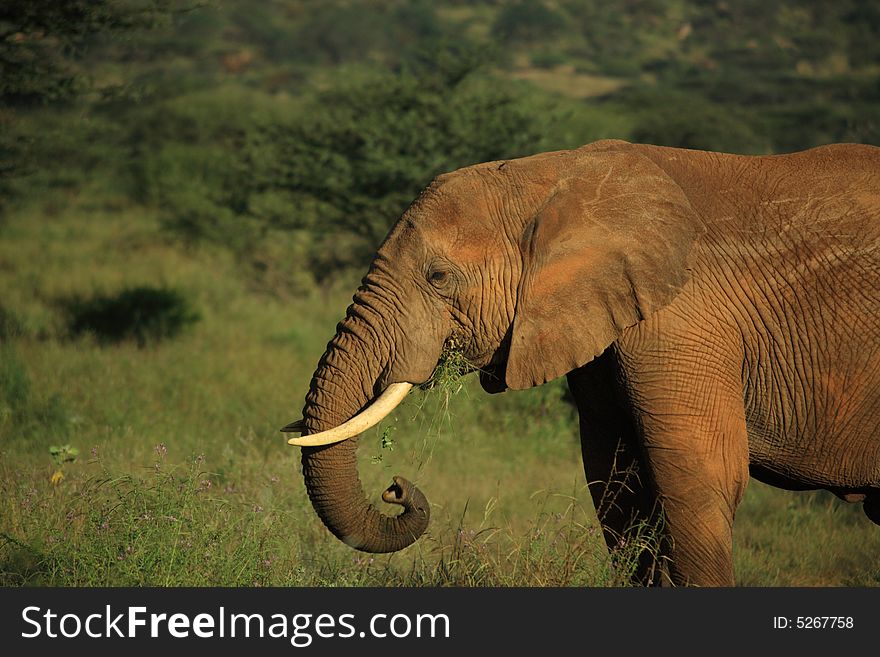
492,377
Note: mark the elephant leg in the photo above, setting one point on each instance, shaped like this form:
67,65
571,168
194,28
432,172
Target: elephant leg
697,452
699,504
615,472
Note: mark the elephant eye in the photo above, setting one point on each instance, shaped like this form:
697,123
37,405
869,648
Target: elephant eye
438,277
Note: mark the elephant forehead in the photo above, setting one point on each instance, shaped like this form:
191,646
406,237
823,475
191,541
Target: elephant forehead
452,194
463,240
459,210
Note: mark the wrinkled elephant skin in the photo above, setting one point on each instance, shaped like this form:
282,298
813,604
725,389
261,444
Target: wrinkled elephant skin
717,317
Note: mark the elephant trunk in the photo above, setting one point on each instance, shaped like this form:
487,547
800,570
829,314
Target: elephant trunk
343,384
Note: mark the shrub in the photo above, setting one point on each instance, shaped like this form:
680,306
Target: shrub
548,59
669,118
327,176
204,161
144,314
527,20
336,33
368,144
43,41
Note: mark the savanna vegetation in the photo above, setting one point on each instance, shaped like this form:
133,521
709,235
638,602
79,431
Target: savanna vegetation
189,192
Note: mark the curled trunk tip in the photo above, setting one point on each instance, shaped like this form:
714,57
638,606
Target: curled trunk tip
337,495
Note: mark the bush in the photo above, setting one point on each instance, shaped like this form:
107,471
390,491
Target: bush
806,124
373,140
336,33
527,20
548,59
42,40
327,177
203,161
669,118
144,314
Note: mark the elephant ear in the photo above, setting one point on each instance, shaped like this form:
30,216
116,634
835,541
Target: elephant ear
608,247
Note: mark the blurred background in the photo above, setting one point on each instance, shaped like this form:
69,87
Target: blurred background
190,192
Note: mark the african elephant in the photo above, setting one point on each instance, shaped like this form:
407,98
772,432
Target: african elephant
717,317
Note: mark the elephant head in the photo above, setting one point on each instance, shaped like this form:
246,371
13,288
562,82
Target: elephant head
533,266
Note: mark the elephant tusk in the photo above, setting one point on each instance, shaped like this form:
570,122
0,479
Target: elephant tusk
370,416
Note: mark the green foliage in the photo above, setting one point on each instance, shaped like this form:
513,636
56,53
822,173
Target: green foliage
58,152
619,38
372,141
386,443
548,59
451,367
45,46
144,314
40,41
447,378
863,30
10,324
208,161
62,454
342,169
526,21
335,33
677,119
25,412
192,165
15,386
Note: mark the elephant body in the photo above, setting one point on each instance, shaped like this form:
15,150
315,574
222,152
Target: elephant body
717,317
767,363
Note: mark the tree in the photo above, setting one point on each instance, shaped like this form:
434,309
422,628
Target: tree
369,144
42,42
527,21
340,167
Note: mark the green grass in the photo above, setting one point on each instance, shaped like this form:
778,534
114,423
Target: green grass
182,477
787,538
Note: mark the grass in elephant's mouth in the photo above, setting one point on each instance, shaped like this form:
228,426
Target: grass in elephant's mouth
448,375
451,367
